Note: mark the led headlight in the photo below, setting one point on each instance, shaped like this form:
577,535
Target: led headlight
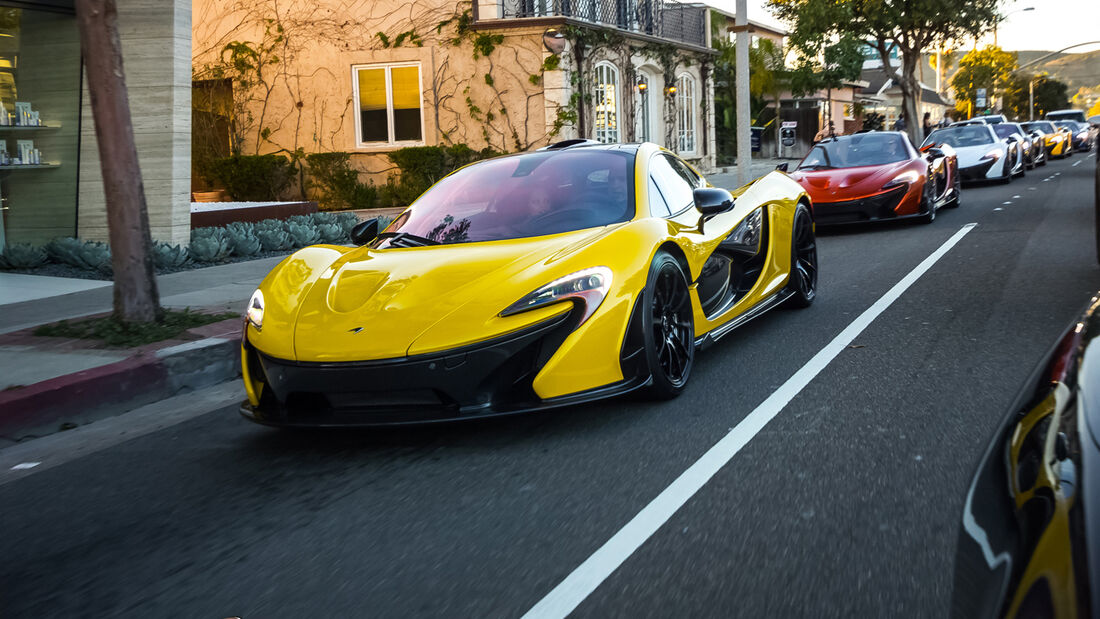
745,238
255,312
994,154
589,287
909,176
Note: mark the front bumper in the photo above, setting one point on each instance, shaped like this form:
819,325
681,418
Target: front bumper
482,380
874,208
979,172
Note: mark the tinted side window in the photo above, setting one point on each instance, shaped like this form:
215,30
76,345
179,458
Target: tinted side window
657,205
675,188
690,176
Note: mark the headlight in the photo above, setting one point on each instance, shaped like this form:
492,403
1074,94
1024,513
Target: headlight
909,176
589,287
994,154
255,311
745,238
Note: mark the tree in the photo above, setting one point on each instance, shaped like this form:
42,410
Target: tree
990,69
135,284
768,78
913,26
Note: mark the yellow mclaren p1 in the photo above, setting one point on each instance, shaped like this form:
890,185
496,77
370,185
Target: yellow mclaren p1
1058,141
542,279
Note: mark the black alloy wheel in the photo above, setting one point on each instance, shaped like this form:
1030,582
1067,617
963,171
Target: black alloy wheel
803,259
669,327
928,205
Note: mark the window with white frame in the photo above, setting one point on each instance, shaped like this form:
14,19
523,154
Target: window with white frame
685,113
642,112
389,98
607,103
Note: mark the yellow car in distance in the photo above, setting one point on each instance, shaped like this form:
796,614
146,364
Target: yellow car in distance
576,272
1058,141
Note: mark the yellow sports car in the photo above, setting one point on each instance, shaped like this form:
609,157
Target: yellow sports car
1058,141
577,272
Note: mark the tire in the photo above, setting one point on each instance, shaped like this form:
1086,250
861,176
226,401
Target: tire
803,259
669,327
925,202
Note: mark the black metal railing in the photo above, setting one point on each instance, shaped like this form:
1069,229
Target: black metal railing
661,18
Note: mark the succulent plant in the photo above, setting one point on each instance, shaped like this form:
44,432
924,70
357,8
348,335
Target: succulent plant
89,255
209,248
244,244
209,232
302,220
346,221
322,218
270,225
302,235
166,256
240,228
22,256
273,239
331,233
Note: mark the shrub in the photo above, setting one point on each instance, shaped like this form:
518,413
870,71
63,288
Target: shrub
346,221
22,256
209,248
167,256
422,166
302,234
339,184
253,177
90,255
331,233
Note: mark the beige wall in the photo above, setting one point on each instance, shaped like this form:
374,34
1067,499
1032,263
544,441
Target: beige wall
156,51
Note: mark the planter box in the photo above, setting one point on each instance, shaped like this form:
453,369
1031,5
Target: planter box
204,214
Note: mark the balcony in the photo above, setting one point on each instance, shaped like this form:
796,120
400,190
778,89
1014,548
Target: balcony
664,19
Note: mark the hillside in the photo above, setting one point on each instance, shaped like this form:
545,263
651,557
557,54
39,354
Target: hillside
1077,70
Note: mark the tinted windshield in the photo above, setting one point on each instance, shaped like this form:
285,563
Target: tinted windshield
1003,130
961,137
1041,126
1070,115
526,195
851,151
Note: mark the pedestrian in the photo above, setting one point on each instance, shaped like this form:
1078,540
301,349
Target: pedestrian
926,126
899,124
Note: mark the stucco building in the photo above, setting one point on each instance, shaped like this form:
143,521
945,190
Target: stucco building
368,77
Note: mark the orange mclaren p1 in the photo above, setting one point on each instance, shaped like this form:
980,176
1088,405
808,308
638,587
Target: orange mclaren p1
878,176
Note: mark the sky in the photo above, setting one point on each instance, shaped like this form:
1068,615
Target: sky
1053,24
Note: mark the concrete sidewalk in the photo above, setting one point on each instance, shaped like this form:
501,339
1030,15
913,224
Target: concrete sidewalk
726,176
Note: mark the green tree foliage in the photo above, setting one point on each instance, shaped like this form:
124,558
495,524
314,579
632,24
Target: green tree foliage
913,26
1050,94
989,68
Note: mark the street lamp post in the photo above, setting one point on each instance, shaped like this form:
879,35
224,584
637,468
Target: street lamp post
1031,82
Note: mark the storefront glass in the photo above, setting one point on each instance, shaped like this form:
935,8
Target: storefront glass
39,123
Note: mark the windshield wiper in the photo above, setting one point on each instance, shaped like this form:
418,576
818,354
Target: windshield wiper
407,239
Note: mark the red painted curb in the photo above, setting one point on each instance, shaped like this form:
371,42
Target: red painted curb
51,400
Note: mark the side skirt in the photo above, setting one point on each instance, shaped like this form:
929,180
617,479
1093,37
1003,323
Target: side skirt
719,332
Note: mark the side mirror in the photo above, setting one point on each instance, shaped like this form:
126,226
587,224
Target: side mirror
364,232
711,200
782,167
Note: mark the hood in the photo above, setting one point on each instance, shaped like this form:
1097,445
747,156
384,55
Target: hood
377,303
841,184
972,155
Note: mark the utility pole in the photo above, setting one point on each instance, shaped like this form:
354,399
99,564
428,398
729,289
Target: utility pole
744,147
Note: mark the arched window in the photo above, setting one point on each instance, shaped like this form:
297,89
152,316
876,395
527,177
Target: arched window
607,103
685,113
642,111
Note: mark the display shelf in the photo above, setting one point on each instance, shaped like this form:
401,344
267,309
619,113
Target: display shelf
18,128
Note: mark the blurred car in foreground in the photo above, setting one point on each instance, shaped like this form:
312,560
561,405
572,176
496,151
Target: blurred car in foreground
877,176
1029,545
529,281
982,155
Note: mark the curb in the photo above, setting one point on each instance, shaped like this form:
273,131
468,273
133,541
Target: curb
112,389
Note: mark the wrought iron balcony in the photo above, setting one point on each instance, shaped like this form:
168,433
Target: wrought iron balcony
685,23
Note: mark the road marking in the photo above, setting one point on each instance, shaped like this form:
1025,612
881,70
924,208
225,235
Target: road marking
1076,163
581,582
1032,188
998,208
1009,202
42,454
1016,197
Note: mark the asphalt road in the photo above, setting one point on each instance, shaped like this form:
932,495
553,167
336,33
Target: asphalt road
845,505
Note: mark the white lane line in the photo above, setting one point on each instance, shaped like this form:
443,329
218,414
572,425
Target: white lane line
1032,188
1076,163
998,209
25,465
1009,202
581,582
1016,197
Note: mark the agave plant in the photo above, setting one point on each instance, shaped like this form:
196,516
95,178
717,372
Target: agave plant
89,255
209,232
331,233
242,239
301,235
346,221
322,218
166,256
211,248
270,225
302,220
273,239
22,256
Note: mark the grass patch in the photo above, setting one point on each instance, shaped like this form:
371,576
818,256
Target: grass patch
114,332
